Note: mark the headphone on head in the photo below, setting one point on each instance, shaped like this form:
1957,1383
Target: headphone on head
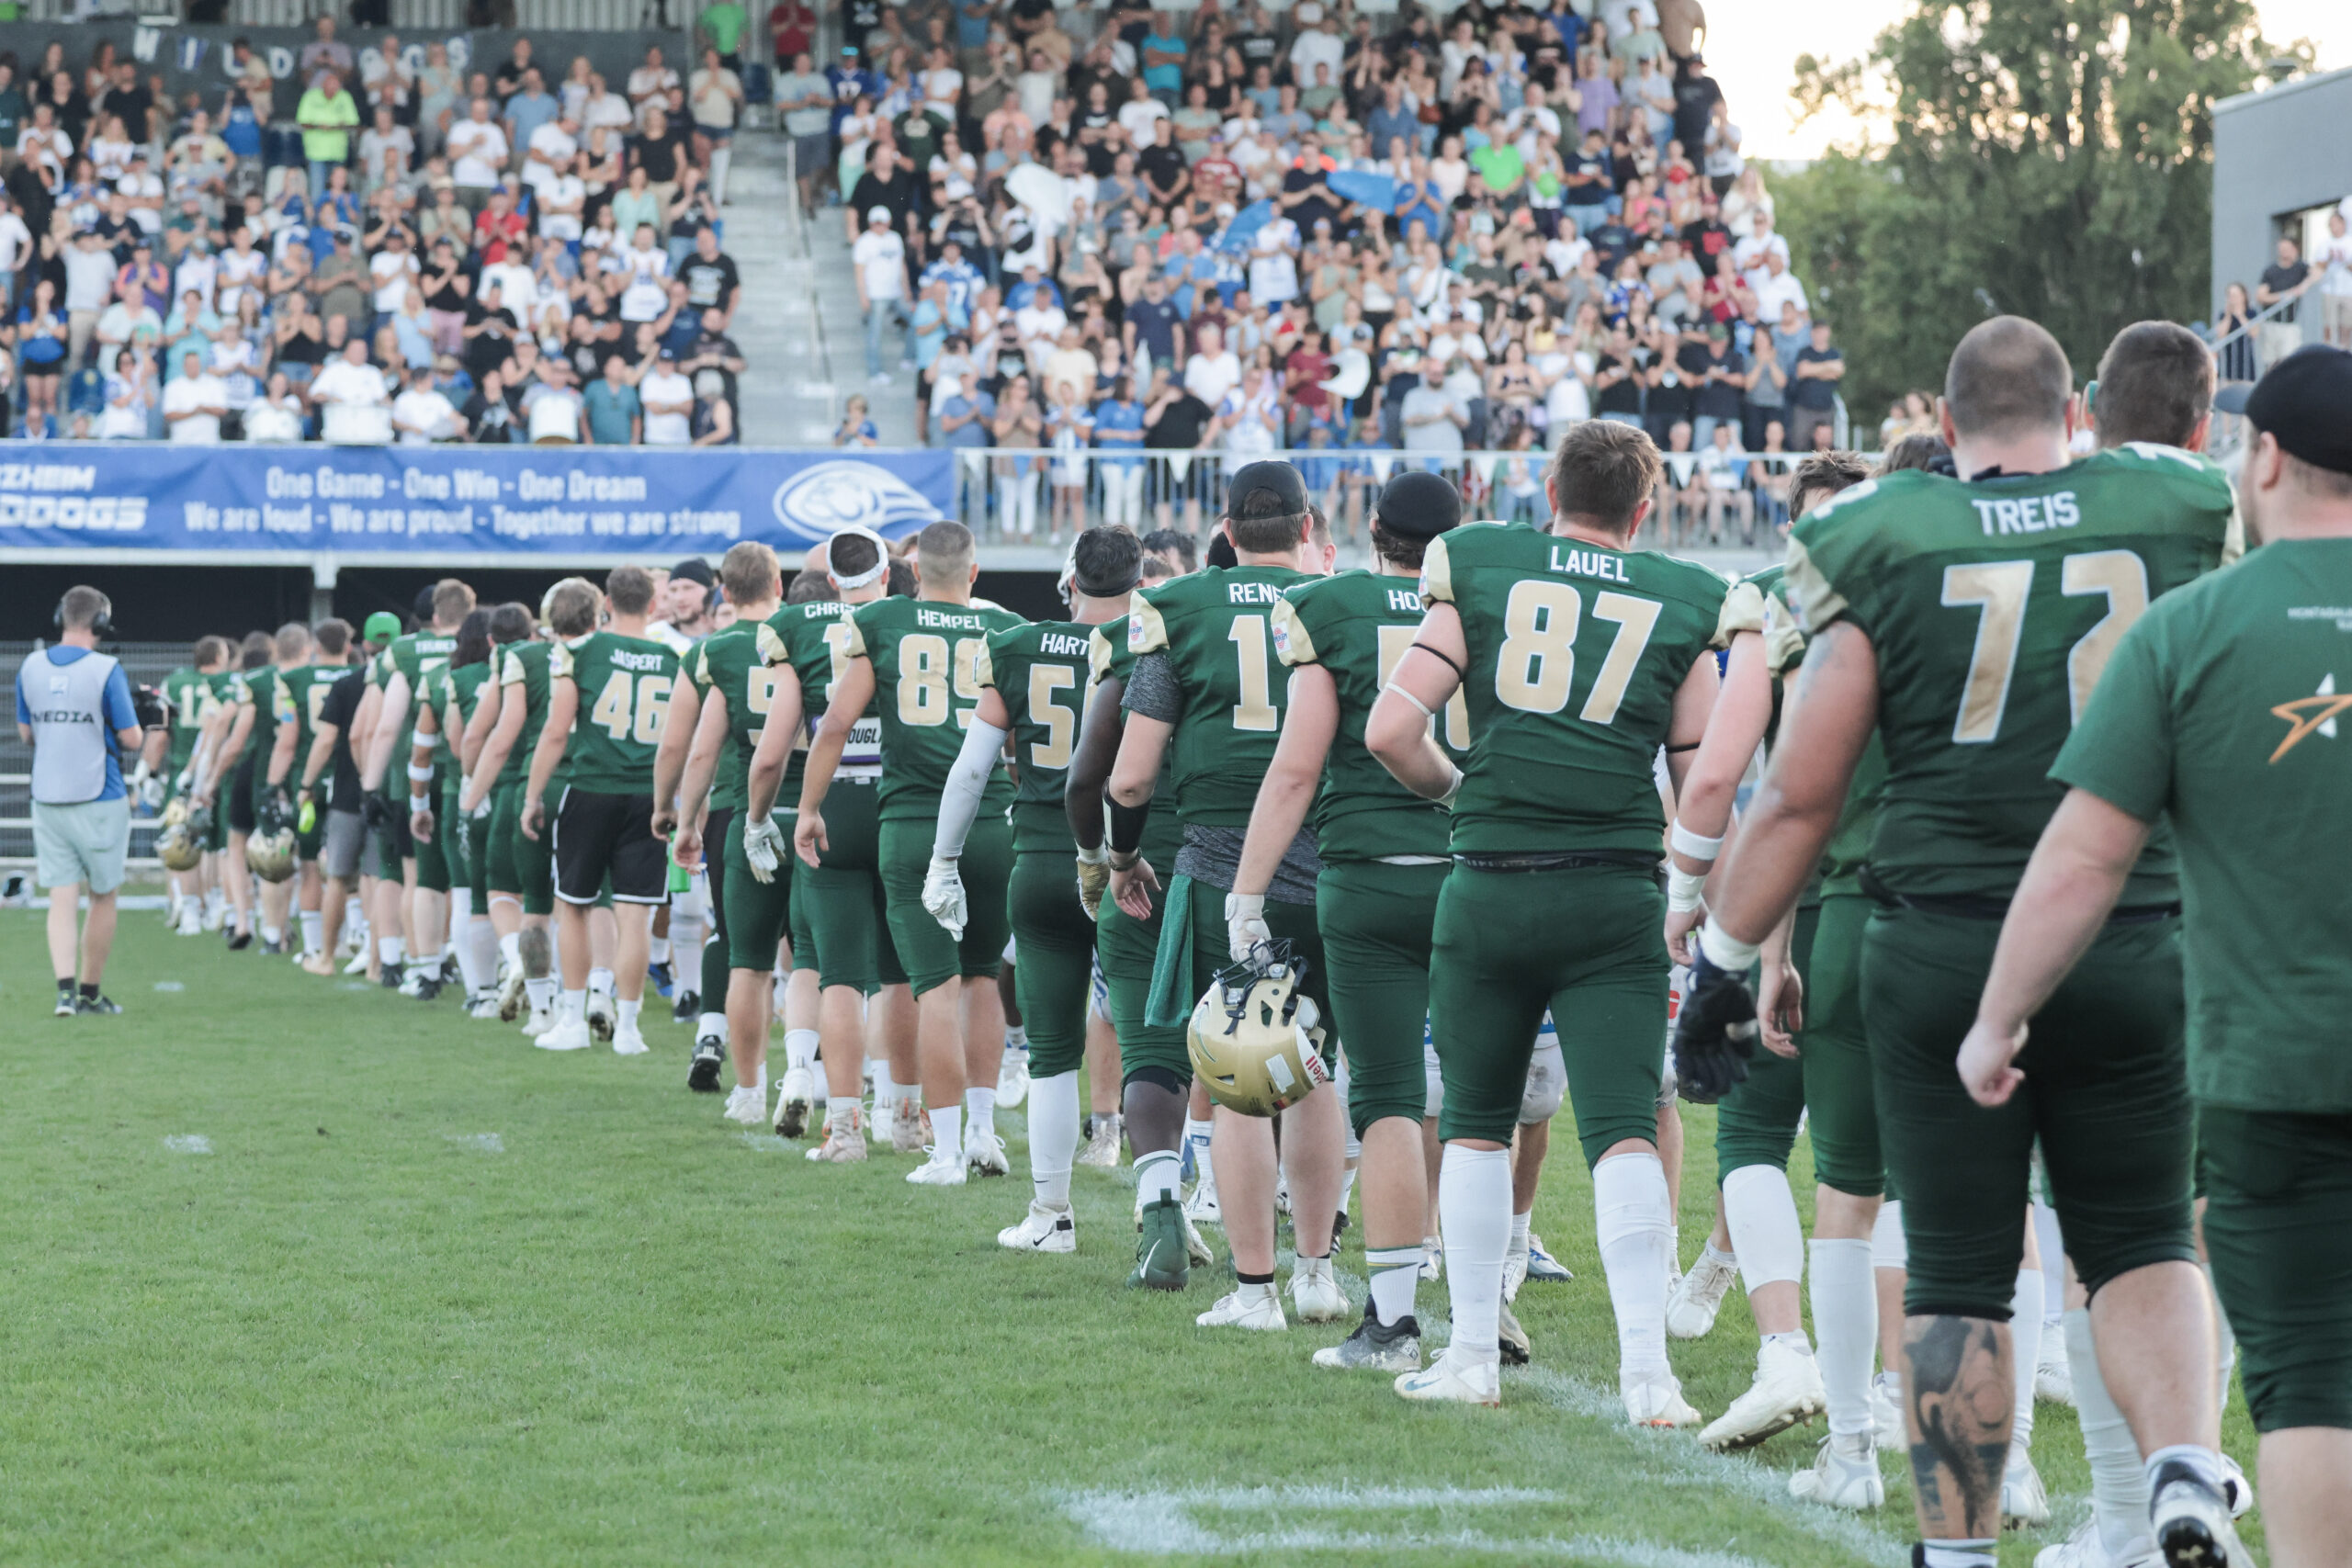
101,627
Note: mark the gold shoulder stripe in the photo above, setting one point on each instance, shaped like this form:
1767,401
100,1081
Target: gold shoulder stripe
1292,645
769,645
983,667
1743,611
1098,653
1146,633
1783,639
1812,595
1437,574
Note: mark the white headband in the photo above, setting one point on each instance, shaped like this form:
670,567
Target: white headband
875,573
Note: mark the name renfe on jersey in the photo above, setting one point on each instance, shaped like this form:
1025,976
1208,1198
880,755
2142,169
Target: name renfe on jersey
2028,514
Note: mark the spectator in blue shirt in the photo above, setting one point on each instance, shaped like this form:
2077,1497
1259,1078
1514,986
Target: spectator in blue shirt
1163,54
963,279
528,109
615,416
1118,428
964,417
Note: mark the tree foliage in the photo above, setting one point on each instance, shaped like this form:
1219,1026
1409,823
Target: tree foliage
2043,158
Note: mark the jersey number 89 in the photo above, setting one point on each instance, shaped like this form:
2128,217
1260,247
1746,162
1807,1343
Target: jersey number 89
926,665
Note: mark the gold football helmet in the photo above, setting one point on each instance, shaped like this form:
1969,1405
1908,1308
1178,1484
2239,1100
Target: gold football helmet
178,844
1254,1038
270,850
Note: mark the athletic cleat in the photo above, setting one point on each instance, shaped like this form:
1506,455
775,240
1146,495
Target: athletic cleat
912,1135
1690,1310
1455,1379
2087,1549
686,1006
1162,1254
1512,1339
2024,1502
1787,1389
2190,1520
191,922
1196,1245
540,1020
658,976
359,964
1541,1267
841,1148
1013,1080
1041,1230
96,1007
412,983
2236,1488
1102,1150
747,1104
795,1101
984,1153
1844,1475
1282,1191
938,1170
481,1007
66,1007
1315,1294
511,994
604,1015
1514,1274
428,990
1655,1399
1376,1346
1255,1308
240,939
710,1056
1432,1258
565,1034
630,1041
2053,1379
1886,1413
271,949
884,1122
1201,1207
215,917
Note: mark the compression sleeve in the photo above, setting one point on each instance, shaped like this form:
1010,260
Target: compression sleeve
959,802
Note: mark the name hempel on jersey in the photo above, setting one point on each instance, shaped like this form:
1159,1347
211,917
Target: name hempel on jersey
1589,563
622,658
1063,645
947,620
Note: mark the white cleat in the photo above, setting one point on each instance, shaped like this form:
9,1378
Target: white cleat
1248,1306
1196,1245
483,1008
939,1171
747,1104
1541,1267
1886,1414
1315,1293
2087,1549
1690,1309
912,1135
359,964
2053,1379
1013,1080
1787,1389
795,1102
842,1145
882,1125
1201,1207
2190,1520
1101,1151
984,1153
1432,1258
603,1016
630,1041
1844,1475
1041,1230
1514,1274
1655,1399
1455,1377
2024,1503
511,994
191,922
566,1035
2236,1488
215,919
540,1020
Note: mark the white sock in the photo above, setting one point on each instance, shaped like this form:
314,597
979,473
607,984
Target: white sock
575,1005
947,1132
600,980
1053,1136
272,935
1888,1249
1766,1233
886,1088
657,950
2226,1359
389,951
1348,1176
510,950
215,901
1474,1215
1196,1135
354,918
2025,1341
1016,1037
540,992
470,957
841,1109
799,1047
481,940
1845,1320
1632,1224
2118,1484
1157,1173
2052,1245
1958,1554
1396,1271
628,1014
314,931
1518,1228
980,1108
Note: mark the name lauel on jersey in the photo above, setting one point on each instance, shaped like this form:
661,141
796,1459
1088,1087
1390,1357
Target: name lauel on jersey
1589,563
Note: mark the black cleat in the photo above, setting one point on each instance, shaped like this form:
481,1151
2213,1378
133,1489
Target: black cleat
710,1056
390,978
96,1007
686,1006
240,939
429,987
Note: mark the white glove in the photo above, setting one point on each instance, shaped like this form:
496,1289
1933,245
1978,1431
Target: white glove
1452,790
151,788
186,782
943,896
763,846
1245,923
482,808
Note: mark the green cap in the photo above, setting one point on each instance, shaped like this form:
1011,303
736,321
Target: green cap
381,628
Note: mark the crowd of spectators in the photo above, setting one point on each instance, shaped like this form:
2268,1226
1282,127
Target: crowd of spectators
1232,230
389,244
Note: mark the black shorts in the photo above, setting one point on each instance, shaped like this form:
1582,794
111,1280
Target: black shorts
240,797
598,836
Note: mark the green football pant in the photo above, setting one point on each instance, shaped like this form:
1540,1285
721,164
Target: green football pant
439,858
1756,1124
757,912
929,955
849,933
1054,976
1377,921
804,936
2106,1092
1210,950
1127,948
2278,1191
722,826
1582,943
520,864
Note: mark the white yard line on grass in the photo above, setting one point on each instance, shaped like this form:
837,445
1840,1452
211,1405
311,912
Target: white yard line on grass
480,1142
189,1144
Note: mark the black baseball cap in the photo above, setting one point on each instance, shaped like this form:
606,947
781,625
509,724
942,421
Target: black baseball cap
1418,505
2305,402
694,569
1269,476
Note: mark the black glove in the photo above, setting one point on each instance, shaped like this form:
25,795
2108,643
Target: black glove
375,813
1715,1035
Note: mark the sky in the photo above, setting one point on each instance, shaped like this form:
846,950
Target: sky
1752,46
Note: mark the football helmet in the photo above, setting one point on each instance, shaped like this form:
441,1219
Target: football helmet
1253,1038
269,851
177,843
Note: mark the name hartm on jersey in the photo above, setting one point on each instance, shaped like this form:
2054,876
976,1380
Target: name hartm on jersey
624,686
1576,655
1216,627
927,657
1357,626
1040,670
814,639
1994,606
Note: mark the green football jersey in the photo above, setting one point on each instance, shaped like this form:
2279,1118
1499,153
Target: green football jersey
416,655
258,689
1216,628
735,663
301,697
523,668
1993,607
814,639
623,685
1357,626
191,698
463,686
2221,713
1576,654
1109,657
927,656
1041,670
1841,871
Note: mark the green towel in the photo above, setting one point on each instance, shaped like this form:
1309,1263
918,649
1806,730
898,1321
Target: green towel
1169,1005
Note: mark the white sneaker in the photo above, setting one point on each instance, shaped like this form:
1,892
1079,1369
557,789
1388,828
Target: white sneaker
1455,1377
2087,1549
603,1016
912,1135
1787,1389
2236,1487
630,1041
1886,1414
1541,1267
882,1123
359,964
1248,1306
1101,1151
1690,1310
984,1153
2053,1379
1013,1080
746,1104
1514,1274
1196,1245
1041,1230
1655,1399
1201,1207
1315,1293
1432,1258
795,1101
2023,1500
215,919
511,994
1844,1475
413,983
540,1020
939,1171
483,1008
565,1034
191,922
843,1144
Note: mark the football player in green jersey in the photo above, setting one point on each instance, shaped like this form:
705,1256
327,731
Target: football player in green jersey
1383,854
608,691
448,700
714,725
252,743
1202,695
301,697
521,873
1032,687
1993,604
231,883
497,964
917,661
1579,658
2217,712
419,922
190,697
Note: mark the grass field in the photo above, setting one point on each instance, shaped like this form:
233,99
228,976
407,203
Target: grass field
299,1272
